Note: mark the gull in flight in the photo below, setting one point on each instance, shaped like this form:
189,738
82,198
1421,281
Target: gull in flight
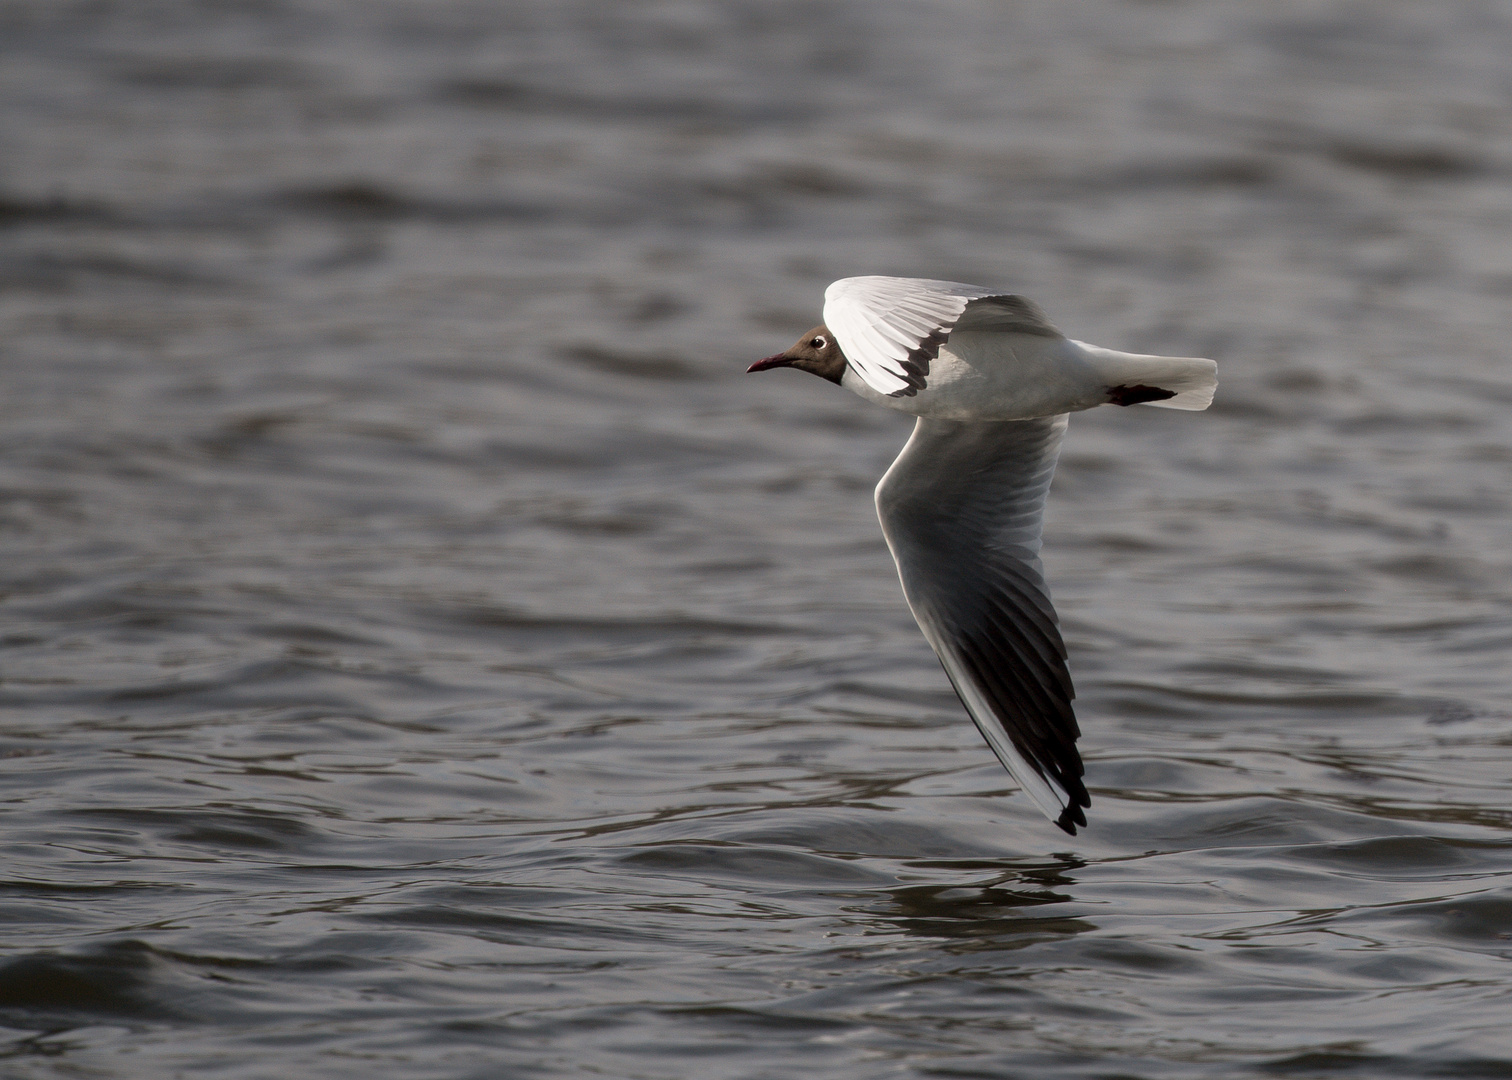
962,507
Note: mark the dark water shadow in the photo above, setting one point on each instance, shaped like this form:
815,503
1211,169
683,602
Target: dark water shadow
1012,907
116,984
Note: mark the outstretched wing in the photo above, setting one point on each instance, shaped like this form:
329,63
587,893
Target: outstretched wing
962,509
891,328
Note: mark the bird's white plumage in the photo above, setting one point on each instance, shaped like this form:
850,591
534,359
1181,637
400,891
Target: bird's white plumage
879,321
992,382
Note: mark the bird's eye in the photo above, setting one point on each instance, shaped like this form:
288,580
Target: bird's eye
819,343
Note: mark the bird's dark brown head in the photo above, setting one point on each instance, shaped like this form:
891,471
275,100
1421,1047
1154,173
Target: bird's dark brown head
816,352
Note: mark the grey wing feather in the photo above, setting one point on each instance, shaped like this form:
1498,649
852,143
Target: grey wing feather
962,509
1006,314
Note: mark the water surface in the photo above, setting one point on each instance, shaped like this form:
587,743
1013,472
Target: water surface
426,654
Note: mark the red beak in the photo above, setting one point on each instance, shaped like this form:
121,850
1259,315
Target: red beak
777,360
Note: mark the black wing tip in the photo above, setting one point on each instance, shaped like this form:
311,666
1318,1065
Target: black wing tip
1070,818
916,364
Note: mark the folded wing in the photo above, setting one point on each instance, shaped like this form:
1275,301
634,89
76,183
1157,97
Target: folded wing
962,509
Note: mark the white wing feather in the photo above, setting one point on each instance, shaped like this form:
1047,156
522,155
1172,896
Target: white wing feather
880,321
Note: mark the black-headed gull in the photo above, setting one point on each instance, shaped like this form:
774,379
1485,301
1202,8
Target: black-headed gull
962,508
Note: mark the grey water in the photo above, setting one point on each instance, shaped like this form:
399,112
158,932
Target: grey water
425,653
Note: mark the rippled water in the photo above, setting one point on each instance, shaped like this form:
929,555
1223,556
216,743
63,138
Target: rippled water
426,654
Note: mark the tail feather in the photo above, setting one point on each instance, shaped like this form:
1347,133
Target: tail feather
1190,380
1193,378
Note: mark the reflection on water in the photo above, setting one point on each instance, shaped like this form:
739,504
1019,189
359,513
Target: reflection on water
997,913
423,648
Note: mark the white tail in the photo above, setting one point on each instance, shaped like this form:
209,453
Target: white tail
1191,378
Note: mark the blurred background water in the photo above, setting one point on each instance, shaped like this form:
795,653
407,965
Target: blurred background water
425,653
